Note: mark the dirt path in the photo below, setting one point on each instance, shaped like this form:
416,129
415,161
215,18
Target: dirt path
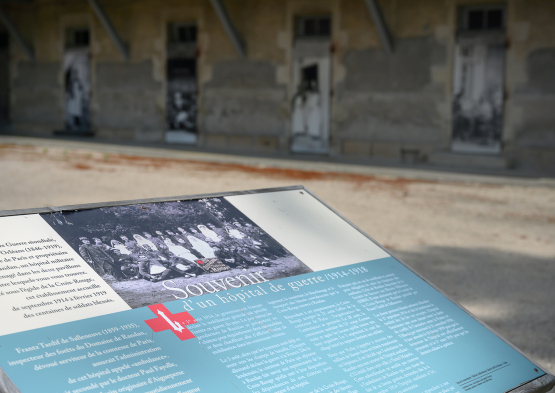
491,247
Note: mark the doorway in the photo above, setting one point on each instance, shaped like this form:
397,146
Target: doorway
181,73
310,104
478,81
76,67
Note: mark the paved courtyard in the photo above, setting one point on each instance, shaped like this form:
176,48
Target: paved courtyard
488,242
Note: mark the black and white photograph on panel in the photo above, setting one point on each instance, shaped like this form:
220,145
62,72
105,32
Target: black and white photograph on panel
157,252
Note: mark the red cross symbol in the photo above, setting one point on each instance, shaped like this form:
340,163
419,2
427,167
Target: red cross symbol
175,322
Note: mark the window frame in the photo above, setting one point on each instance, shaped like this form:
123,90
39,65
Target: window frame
71,41
173,32
300,27
465,11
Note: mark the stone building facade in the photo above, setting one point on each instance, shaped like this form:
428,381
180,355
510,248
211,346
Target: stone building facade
424,80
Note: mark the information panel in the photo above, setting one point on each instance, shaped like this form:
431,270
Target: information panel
225,295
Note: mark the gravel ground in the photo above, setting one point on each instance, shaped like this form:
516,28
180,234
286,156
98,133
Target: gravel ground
489,245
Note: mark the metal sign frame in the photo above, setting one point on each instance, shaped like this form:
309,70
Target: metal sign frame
541,384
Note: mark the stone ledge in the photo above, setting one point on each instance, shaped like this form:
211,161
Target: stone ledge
473,161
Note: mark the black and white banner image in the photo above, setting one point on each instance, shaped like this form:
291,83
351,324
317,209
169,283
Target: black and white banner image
77,89
158,252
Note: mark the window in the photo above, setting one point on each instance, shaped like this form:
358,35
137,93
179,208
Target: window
77,38
182,33
4,40
313,26
483,18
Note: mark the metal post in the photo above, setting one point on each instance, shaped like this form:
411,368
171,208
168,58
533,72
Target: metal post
107,23
5,19
381,26
229,28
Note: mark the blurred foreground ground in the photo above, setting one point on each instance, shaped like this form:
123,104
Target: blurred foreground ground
487,242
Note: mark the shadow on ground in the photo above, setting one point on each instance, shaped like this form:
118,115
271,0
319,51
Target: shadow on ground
512,293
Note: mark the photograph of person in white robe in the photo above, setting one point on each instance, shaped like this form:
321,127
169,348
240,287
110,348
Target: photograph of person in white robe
142,241
209,233
116,245
179,251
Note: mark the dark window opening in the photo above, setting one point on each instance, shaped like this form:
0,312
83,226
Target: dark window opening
77,38
475,20
183,33
325,27
495,20
4,40
482,18
309,28
313,26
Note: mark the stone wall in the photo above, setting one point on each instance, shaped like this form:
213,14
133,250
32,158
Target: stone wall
381,104
530,116
125,99
390,99
37,95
